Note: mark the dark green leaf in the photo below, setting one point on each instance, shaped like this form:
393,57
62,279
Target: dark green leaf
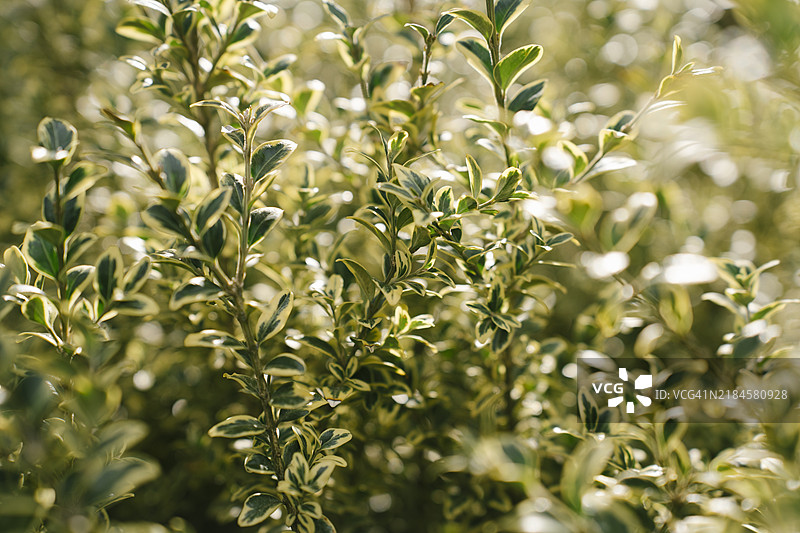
135,305
58,140
173,170
285,364
234,135
262,221
442,23
214,238
527,97
333,438
279,64
108,274
290,396
275,316
137,275
211,338
159,217
140,29
237,426
245,34
363,278
77,279
384,240
211,208
478,56
42,255
477,20
236,184
338,13
257,508
41,310
506,11
195,290
269,155
258,464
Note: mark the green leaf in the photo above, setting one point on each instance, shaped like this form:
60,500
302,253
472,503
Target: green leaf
15,261
411,180
219,104
257,508
211,208
365,281
76,245
475,177
234,135
514,64
196,289
422,30
396,190
507,11
117,478
507,184
323,525
108,274
496,125
279,64
269,155
71,211
384,240
477,20
237,426
244,34
478,56
160,218
135,305
274,318
172,166
588,460
262,221
213,239
41,310
396,143
444,21
256,8
285,364
290,395
258,464
320,345
140,29
211,338
338,13
333,438
527,97
155,5
677,55
58,141
137,275
236,184
42,255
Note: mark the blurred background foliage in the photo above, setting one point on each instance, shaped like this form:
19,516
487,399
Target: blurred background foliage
716,177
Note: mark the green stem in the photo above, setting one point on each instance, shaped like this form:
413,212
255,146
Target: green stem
58,210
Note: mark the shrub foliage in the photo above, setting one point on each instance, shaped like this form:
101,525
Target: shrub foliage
398,265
